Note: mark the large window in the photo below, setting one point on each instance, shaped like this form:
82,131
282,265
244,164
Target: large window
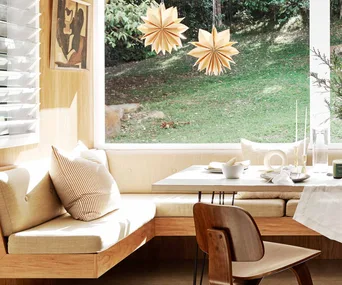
336,47
154,98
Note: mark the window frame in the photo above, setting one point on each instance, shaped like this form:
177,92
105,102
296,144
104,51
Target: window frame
319,39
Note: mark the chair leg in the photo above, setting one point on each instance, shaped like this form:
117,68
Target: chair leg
247,282
303,274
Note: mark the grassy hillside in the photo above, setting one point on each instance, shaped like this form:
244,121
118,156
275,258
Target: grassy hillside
256,100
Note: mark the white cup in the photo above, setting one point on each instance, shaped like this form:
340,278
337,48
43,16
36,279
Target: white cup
232,171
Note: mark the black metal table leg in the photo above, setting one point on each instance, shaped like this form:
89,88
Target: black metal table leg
196,257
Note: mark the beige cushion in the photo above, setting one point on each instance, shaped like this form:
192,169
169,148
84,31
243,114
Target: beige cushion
27,198
86,188
255,152
180,205
67,235
291,207
268,195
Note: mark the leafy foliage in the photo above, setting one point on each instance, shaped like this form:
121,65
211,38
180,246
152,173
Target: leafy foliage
122,36
334,84
124,16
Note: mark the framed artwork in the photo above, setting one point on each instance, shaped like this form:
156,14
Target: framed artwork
70,35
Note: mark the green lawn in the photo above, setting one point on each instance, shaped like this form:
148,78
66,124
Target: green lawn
256,100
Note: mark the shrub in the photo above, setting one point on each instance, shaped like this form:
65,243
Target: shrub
122,35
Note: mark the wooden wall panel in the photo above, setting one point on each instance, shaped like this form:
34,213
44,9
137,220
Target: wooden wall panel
66,103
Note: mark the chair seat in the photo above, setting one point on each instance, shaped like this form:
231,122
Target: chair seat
278,257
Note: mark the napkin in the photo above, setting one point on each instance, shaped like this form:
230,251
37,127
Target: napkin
283,178
218,165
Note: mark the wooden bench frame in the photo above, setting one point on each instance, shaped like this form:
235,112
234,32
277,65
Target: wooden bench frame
52,266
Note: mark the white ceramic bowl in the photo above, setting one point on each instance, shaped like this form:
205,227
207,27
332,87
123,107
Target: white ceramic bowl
232,171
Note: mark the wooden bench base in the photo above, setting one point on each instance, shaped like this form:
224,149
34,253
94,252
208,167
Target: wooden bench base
52,266
184,226
74,265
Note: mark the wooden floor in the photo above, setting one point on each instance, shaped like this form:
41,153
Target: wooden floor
131,272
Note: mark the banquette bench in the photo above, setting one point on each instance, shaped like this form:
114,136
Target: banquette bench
40,240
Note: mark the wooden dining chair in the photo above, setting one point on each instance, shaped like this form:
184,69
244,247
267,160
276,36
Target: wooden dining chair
237,255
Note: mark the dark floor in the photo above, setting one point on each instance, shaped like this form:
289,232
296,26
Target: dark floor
128,272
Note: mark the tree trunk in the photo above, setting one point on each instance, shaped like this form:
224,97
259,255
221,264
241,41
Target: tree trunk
217,10
230,13
340,16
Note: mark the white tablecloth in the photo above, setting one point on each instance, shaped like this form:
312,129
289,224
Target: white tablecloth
320,209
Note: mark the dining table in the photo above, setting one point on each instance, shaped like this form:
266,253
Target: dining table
201,179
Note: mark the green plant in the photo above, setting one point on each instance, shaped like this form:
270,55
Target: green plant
122,35
334,84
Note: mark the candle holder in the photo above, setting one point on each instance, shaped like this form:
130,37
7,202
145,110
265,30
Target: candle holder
296,159
304,163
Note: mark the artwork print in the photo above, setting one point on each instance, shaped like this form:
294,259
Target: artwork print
70,34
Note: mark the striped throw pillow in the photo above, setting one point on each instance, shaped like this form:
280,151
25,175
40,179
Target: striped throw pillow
86,188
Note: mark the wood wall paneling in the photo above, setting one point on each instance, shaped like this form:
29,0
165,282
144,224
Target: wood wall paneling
66,97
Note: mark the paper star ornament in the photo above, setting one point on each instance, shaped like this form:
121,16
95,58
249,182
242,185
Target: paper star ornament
214,51
162,29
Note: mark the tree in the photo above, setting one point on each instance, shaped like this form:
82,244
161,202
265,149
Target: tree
334,84
122,35
217,13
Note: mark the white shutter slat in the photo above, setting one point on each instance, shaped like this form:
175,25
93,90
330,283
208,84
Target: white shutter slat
19,72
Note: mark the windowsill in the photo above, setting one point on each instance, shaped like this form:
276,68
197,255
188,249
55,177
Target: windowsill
191,147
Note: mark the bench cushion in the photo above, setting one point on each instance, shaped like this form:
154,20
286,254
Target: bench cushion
291,207
67,235
27,198
180,205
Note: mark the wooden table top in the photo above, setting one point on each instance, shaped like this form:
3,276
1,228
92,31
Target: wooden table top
197,178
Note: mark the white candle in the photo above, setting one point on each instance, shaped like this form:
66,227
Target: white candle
296,121
306,119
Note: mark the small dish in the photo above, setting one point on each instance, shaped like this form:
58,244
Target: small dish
295,177
214,170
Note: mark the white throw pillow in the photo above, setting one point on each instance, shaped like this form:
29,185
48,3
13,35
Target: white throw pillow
255,152
86,188
95,155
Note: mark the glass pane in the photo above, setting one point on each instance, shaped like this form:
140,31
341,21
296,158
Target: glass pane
18,79
336,57
19,4
18,63
19,16
16,32
17,48
172,102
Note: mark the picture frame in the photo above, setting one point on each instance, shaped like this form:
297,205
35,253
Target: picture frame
70,35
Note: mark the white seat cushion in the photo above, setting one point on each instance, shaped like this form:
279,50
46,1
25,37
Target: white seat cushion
67,235
180,205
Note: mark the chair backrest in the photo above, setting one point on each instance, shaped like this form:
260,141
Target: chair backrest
243,235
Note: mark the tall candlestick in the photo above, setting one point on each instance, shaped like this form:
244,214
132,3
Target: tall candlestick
296,121
306,120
